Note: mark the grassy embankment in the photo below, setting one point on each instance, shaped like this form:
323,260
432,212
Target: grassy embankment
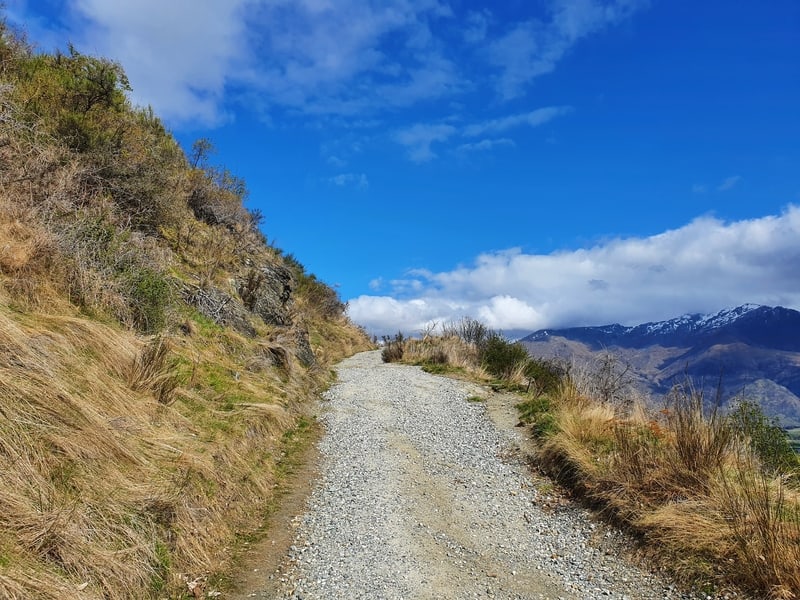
155,351
714,497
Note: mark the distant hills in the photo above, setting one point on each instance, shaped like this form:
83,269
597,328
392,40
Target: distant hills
754,350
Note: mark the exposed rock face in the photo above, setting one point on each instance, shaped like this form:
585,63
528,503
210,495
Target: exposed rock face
297,338
220,307
267,292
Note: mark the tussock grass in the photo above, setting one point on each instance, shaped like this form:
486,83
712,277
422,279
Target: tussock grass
448,350
107,484
689,484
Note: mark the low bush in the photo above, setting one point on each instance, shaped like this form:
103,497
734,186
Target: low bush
469,330
766,438
502,358
544,376
538,412
148,294
393,349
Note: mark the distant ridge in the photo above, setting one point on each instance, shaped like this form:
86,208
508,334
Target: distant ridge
770,327
754,348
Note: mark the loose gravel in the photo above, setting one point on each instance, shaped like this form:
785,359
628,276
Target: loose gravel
421,496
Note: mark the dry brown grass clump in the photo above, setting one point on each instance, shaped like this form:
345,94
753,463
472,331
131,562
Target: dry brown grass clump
444,350
103,484
687,482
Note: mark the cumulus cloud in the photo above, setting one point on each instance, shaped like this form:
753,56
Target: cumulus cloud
703,266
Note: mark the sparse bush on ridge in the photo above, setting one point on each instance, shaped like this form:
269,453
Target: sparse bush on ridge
468,329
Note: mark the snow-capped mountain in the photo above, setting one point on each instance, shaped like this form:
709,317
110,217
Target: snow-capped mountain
753,350
770,327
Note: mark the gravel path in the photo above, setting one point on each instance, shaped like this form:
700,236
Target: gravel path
422,496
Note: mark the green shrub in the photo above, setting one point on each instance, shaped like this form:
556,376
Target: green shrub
538,412
148,295
545,376
769,442
502,358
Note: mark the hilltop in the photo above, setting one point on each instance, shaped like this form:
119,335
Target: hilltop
157,354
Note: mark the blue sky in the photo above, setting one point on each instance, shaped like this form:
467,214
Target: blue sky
531,164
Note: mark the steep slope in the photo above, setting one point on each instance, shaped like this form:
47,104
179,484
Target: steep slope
154,349
752,350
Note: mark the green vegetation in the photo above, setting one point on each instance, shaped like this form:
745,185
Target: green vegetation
502,358
768,441
715,497
793,436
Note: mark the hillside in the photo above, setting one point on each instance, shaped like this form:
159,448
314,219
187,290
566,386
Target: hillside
155,351
754,351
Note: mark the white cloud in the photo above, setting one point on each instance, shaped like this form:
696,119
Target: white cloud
194,61
729,183
335,161
356,180
486,144
419,138
179,55
477,25
533,48
701,267
534,118
187,59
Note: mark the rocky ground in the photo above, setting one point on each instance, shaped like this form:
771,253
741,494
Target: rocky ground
424,492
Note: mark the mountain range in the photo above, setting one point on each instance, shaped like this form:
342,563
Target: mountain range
751,351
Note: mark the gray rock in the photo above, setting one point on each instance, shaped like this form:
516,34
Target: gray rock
220,307
297,339
266,290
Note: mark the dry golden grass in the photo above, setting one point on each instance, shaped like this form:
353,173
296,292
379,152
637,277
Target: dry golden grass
686,484
445,350
106,484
